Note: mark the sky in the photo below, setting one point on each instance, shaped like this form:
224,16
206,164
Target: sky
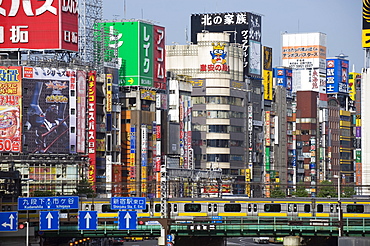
340,20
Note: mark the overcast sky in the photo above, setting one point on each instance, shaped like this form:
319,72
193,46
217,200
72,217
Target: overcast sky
340,20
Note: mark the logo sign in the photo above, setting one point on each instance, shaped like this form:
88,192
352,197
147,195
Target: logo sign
128,202
87,220
40,203
8,221
127,220
49,220
34,24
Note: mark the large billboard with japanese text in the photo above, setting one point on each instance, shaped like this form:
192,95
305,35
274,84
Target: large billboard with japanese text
140,51
46,110
10,109
35,24
284,77
81,111
337,76
91,128
244,28
267,73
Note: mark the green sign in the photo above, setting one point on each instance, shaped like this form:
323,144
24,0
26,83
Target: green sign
134,44
267,159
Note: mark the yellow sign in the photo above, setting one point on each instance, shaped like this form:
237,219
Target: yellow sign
267,84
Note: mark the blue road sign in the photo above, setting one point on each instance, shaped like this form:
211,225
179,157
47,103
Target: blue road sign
49,220
87,220
8,221
128,202
127,220
41,203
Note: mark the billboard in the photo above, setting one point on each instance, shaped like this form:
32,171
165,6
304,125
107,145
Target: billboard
267,73
244,28
354,79
91,120
81,111
284,77
140,50
304,50
10,109
365,23
46,110
34,24
337,76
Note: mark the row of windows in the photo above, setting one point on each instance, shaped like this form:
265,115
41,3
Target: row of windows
218,128
219,114
218,100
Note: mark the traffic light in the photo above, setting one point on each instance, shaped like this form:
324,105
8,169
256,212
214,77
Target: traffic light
140,222
21,226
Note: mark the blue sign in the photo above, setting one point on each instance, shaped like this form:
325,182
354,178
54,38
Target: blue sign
41,203
8,221
49,220
128,202
127,220
87,220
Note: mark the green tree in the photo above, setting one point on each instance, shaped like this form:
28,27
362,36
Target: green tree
348,191
300,191
326,189
84,188
43,193
277,193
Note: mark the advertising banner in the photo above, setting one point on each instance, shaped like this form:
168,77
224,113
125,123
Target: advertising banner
244,28
337,76
10,109
159,76
46,105
91,119
81,111
34,24
366,23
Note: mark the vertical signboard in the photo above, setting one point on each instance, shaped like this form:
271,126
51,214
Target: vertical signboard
10,109
35,24
244,28
132,167
81,111
144,157
159,73
91,109
137,65
352,81
46,105
366,23
284,78
336,76
267,73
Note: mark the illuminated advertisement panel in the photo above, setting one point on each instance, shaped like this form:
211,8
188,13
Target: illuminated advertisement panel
46,107
81,111
284,78
353,77
91,119
134,42
267,73
244,28
34,24
10,109
159,75
366,23
336,76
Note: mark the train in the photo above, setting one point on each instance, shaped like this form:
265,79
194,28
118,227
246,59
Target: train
224,208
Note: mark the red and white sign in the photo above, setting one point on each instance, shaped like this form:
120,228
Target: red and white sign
34,24
159,77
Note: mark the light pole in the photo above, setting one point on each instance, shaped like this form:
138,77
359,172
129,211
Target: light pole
339,207
27,222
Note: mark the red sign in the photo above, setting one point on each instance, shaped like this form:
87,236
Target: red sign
34,24
159,76
91,109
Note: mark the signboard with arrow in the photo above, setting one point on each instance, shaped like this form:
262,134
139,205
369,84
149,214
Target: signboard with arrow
8,221
87,220
127,220
49,220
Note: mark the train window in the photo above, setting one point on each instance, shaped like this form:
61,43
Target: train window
355,208
331,208
272,207
254,207
209,207
192,207
146,209
232,208
105,208
307,208
249,208
320,208
337,208
214,207
86,207
157,208
175,208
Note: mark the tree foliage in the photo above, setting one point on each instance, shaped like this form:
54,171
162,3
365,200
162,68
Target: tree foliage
277,193
327,189
300,191
84,189
43,193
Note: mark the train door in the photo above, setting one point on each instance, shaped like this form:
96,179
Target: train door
212,209
252,209
292,209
